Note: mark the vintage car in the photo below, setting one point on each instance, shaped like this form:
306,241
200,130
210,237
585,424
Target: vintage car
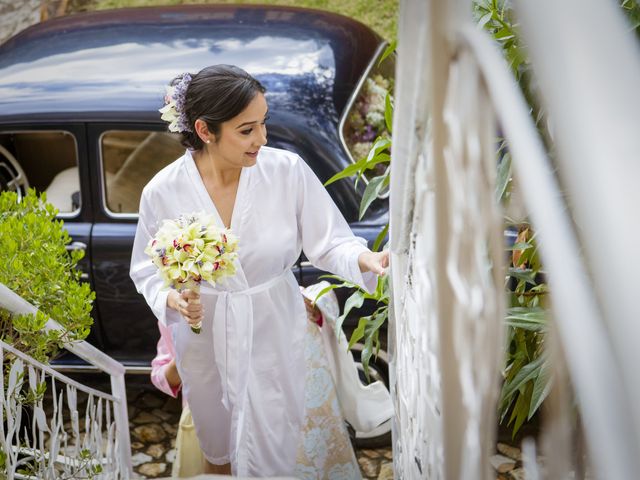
79,120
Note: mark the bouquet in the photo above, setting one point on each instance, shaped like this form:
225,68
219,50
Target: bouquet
193,249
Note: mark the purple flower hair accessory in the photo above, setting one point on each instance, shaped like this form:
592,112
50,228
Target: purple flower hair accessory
173,110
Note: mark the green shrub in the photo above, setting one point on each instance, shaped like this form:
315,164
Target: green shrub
35,264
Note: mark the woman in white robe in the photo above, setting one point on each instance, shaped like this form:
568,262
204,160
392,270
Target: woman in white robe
244,374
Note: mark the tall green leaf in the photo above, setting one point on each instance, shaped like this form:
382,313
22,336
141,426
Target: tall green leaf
348,171
372,191
380,238
388,112
541,388
354,301
388,51
503,177
525,374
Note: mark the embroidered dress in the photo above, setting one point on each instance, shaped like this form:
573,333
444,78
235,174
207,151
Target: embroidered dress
324,449
244,375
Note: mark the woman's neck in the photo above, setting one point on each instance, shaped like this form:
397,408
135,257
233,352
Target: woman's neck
214,170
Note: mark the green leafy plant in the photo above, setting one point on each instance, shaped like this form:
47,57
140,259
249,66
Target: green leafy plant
527,376
527,380
368,329
35,264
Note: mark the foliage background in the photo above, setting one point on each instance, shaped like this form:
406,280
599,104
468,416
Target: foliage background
35,264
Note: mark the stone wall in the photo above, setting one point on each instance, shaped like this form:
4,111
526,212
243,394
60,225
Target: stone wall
18,15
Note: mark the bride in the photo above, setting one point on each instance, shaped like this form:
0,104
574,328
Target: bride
244,375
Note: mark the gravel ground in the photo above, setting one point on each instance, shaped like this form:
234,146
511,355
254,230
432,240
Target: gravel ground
154,417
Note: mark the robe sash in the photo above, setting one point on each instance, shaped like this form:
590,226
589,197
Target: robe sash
233,337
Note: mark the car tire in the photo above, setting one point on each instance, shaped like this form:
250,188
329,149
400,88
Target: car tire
378,370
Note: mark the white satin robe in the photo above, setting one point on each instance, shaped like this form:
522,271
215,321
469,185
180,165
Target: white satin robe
244,375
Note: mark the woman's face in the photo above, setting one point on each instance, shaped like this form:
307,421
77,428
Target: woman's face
241,137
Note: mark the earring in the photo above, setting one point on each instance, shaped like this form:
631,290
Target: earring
208,141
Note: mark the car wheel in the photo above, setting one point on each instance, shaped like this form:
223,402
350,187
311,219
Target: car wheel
378,371
12,177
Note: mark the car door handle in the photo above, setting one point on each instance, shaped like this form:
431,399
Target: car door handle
76,246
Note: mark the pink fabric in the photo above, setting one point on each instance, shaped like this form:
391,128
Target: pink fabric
165,353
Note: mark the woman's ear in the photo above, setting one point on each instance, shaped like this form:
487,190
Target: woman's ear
202,130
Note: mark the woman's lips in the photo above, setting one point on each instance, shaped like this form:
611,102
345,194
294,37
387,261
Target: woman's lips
252,154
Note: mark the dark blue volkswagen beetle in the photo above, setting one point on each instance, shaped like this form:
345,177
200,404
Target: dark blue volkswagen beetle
79,99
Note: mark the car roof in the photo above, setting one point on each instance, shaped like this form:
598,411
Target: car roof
113,65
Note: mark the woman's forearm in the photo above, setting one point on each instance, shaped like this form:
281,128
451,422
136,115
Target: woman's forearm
172,375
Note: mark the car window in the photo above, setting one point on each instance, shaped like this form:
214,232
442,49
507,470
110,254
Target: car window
44,160
130,159
364,121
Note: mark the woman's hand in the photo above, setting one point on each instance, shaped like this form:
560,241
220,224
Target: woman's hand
185,304
313,313
374,262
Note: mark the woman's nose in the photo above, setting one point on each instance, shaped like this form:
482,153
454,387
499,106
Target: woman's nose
262,138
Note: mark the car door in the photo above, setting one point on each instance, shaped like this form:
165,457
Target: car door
124,157
52,159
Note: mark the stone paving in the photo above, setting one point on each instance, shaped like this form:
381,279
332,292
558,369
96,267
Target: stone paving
154,417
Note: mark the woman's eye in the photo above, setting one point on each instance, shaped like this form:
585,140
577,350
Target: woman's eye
246,132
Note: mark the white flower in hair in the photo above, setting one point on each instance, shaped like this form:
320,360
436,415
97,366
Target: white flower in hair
173,110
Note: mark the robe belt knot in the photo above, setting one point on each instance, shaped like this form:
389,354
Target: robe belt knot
233,337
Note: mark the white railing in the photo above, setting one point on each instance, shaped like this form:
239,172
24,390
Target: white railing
453,89
74,429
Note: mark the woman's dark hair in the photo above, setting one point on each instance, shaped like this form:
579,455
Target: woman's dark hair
216,94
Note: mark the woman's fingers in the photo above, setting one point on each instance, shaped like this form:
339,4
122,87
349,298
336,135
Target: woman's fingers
190,295
374,262
377,263
190,307
185,304
384,259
